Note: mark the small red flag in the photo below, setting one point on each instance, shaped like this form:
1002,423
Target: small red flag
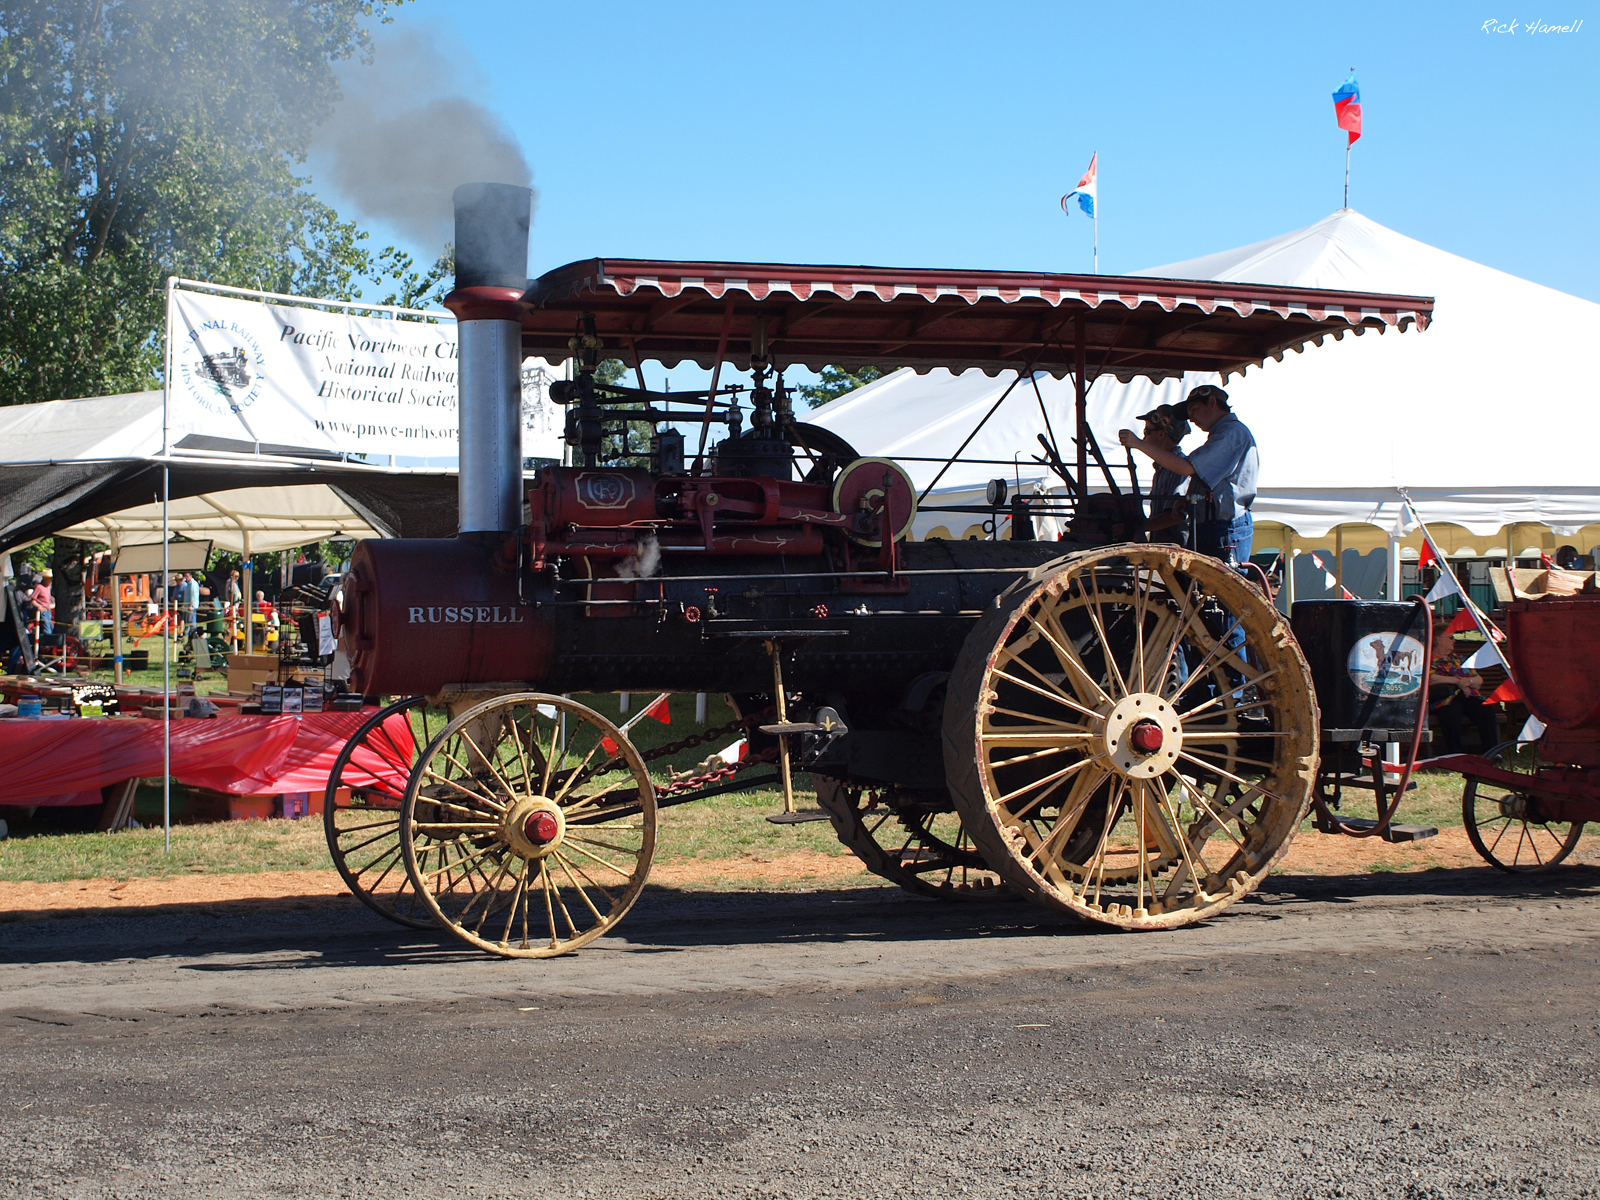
1427,556
661,711
1507,691
1548,563
610,746
1463,623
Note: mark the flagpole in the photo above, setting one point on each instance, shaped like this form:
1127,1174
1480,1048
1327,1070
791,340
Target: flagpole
1097,234
1347,174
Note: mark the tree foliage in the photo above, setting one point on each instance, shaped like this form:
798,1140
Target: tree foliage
146,138
836,382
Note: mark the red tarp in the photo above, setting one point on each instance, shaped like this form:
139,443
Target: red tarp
66,762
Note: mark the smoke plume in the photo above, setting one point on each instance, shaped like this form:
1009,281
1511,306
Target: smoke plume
404,137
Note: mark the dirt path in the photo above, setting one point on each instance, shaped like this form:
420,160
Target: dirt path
1312,853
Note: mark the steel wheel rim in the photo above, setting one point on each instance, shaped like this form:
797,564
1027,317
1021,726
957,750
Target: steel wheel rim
1505,841
914,850
1066,808
472,797
363,831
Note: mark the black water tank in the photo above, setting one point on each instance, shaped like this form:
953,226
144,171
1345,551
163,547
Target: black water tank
1367,661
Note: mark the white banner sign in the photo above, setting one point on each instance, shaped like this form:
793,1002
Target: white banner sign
290,379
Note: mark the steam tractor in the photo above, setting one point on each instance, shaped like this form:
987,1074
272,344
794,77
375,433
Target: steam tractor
1116,728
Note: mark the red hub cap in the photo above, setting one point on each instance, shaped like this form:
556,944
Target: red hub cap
1146,737
541,828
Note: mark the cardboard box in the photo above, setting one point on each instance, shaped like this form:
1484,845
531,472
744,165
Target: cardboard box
245,671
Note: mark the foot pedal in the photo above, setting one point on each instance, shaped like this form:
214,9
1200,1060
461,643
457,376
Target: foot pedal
799,817
791,727
1395,833
1409,833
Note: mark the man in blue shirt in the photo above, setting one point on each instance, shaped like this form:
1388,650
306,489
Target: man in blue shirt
1225,469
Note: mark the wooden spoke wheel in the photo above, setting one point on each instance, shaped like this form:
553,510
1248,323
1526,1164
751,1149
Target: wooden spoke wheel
1131,736
912,839
528,825
361,808
1503,823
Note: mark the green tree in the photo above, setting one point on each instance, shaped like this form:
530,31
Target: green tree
146,138
836,382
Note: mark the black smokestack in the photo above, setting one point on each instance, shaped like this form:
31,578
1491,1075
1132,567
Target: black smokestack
492,221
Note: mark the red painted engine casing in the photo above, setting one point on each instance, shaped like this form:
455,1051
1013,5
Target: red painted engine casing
422,614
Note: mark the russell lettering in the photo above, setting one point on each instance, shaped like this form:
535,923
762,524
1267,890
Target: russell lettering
482,614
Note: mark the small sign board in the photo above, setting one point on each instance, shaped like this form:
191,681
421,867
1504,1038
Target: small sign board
146,560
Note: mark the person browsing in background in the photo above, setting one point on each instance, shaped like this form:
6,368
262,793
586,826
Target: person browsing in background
1224,470
1455,695
1165,427
189,597
43,603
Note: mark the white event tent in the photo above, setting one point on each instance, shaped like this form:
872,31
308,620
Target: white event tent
1484,419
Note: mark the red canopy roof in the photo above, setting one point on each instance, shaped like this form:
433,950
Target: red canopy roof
993,320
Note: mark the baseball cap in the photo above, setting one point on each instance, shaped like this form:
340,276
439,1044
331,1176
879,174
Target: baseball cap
1207,391
1169,417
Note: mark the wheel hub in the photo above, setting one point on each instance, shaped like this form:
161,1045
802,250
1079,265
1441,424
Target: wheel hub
1141,736
533,827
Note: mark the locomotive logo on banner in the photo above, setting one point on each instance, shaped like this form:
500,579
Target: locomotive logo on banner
1387,664
221,367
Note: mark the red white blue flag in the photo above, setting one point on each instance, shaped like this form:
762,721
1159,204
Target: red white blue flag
1085,191
1347,108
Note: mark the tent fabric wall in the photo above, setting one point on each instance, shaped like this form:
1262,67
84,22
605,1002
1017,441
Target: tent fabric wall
1460,416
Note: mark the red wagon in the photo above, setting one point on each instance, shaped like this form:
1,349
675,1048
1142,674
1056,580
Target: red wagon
1525,804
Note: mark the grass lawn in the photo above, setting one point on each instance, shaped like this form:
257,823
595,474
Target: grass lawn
724,827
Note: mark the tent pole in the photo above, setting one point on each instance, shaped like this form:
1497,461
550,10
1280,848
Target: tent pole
1338,557
1394,566
166,580
116,613
248,605
1081,404
1288,572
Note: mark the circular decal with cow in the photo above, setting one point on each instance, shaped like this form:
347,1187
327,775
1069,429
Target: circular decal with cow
1387,664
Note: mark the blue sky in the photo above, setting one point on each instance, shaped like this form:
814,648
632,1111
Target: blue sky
938,134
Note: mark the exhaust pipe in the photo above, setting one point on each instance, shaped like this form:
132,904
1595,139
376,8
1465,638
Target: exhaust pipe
491,275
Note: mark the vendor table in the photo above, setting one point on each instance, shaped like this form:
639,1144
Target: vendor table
68,762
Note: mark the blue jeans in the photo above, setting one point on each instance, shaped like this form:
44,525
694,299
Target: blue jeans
1228,540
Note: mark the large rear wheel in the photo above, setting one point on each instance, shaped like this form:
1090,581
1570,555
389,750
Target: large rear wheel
1131,736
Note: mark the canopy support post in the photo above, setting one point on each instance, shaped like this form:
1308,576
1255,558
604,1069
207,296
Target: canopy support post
1394,566
116,612
1288,572
1338,557
1081,403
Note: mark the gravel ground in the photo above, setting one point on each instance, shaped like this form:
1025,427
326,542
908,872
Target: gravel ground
1419,1035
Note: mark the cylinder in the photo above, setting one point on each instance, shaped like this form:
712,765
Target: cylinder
423,614
491,275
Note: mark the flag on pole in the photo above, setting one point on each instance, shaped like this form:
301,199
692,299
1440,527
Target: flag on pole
1486,655
1347,108
660,711
1427,556
1445,587
1085,191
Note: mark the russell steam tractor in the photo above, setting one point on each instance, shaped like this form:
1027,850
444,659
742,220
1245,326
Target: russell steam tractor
1120,729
